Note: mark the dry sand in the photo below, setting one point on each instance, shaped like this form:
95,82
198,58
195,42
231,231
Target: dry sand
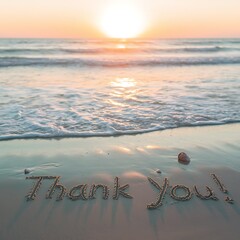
214,149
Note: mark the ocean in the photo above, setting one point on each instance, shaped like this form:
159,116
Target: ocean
55,88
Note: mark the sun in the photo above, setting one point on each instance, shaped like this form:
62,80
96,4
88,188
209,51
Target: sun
122,21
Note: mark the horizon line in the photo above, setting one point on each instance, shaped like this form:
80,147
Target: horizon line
108,38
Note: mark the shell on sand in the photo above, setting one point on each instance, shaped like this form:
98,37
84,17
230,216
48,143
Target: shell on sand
183,158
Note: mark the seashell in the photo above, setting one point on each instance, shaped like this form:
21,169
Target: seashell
27,171
158,171
183,158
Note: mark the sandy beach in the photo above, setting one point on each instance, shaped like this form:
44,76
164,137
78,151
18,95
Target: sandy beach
119,120
133,159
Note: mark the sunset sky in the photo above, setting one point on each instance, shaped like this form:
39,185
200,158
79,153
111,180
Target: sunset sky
85,19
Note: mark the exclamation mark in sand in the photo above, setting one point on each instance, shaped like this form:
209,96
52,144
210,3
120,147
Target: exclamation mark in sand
222,188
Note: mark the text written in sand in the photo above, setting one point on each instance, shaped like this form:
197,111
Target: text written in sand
85,192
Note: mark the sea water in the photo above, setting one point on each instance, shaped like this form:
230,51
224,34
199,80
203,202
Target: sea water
80,87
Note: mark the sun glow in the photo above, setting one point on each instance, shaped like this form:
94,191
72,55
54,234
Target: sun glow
122,21
124,82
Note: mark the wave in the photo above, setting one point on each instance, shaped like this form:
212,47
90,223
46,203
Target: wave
175,41
81,62
209,49
206,42
113,133
115,50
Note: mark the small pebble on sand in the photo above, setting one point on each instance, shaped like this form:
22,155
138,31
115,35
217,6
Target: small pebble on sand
183,158
27,171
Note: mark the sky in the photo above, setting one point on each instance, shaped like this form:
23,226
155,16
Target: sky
83,18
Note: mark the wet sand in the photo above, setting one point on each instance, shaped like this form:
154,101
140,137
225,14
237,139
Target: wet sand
144,162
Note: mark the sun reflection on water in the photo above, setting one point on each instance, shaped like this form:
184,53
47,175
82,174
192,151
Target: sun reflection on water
123,92
124,82
121,46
